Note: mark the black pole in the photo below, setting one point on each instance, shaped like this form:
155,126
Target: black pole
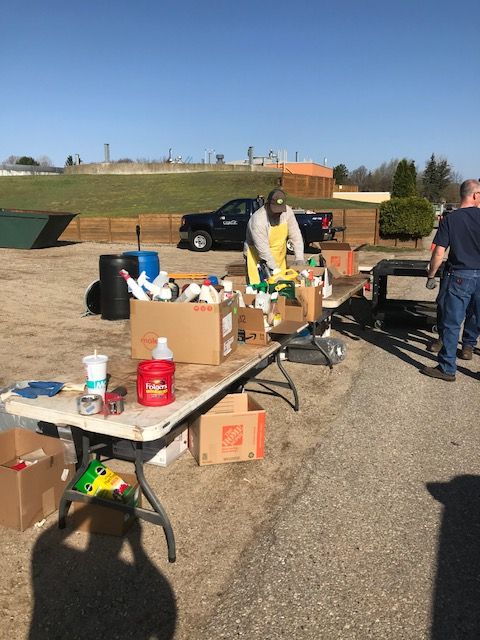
137,229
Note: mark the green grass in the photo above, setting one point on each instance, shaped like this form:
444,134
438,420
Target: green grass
113,195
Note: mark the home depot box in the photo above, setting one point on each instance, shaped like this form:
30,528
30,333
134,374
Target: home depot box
251,326
31,493
197,333
94,518
232,431
340,255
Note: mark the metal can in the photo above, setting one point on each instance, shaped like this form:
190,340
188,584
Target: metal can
114,404
89,404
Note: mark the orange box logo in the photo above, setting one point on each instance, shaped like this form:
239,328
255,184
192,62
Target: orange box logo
203,307
149,340
232,436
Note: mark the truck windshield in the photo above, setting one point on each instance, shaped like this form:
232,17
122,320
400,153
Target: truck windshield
234,208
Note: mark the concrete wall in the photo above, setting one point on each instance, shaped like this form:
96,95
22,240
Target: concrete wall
363,196
28,170
130,168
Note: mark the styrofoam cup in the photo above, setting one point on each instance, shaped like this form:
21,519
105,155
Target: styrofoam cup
96,373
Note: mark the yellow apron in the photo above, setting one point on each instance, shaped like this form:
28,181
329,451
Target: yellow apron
277,239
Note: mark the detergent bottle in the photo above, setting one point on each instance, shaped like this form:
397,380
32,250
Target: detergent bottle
174,287
227,290
205,294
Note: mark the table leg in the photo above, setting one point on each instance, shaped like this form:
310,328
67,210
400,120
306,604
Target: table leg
154,502
64,501
277,383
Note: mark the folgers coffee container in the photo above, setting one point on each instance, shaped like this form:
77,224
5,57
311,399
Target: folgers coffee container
156,382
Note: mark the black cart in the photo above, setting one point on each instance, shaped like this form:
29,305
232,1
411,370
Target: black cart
397,311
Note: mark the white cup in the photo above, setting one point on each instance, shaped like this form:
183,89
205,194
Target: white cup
96,374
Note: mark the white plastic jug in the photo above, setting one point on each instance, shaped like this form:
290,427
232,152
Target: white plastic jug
161,351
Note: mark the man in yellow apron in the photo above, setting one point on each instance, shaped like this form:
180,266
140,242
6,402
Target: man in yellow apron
268,230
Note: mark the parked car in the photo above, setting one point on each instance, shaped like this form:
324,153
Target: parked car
229,224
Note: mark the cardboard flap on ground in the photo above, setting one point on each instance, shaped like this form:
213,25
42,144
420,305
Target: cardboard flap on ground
341,256
232,431
197,333
32,493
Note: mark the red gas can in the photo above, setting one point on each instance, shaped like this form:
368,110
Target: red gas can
156,382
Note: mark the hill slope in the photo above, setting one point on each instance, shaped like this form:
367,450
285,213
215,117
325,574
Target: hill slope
113,195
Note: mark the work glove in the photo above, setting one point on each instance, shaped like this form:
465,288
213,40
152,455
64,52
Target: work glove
431,283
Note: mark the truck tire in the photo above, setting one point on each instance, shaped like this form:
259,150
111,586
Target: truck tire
200,241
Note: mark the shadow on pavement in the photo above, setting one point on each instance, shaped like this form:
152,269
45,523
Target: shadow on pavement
404,342
94,592
456,613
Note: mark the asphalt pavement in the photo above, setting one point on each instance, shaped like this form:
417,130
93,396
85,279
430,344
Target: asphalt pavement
379,535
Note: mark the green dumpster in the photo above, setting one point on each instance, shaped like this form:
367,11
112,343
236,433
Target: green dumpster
24,229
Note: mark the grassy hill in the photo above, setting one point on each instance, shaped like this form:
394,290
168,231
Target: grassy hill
114,195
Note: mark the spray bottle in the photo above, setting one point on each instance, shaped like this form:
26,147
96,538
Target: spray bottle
133,286
143,282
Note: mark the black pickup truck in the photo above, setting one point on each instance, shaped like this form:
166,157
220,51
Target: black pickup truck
229,224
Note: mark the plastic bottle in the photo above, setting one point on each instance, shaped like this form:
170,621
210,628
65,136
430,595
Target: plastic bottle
132,285
165,295
174,287
190,293
161,279
205,294
215,295
227,290
161,351
143,282
263,301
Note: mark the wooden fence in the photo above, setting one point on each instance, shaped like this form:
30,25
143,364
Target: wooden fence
307,186
362,227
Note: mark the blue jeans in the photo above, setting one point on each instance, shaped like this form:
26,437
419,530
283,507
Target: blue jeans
461,289
471,330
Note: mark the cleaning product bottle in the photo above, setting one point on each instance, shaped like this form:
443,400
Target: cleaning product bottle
215,295
132,285
174,287
161,351
227,290
161,279
205,294
143,282
274,318
165,294
190,293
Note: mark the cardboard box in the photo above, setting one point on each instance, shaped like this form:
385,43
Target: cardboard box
153,453
197,333
341,256
33,492
311,299
232,431
94,518
251,327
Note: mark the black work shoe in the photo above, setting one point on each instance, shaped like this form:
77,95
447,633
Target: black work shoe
435,346
467,352
436,372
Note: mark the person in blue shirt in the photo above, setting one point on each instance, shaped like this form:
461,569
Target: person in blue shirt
460,233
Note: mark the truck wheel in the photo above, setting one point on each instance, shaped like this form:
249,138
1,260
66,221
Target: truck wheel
290,249
200,241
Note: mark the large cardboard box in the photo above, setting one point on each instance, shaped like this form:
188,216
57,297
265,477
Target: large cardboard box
232,431
341,256
33,492
197,333
94,518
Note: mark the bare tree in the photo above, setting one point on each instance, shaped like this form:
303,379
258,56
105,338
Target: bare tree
44,161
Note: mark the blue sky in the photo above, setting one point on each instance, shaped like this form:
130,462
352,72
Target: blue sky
353,82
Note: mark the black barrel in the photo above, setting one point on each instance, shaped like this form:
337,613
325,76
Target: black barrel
115,298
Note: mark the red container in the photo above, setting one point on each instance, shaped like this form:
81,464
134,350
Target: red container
156,382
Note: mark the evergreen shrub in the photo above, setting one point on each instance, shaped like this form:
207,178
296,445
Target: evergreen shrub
406,218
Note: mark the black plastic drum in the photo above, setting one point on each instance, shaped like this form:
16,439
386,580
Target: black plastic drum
115,298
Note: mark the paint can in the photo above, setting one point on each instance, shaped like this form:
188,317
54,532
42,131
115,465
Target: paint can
89,404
